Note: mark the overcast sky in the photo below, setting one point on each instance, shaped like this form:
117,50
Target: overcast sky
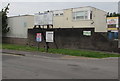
22,8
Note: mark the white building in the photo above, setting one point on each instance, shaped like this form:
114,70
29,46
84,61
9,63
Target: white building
19,25
81,17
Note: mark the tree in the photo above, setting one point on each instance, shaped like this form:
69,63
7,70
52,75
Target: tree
5,27
111,14
114,14
108,14
118,15
0,24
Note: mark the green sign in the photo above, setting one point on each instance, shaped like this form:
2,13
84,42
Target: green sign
87,33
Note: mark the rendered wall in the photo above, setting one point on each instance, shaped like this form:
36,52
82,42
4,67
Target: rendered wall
66,21
19,26
98,20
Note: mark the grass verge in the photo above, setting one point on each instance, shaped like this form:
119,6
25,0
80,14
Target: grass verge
84,53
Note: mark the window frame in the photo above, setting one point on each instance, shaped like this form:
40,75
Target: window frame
85,17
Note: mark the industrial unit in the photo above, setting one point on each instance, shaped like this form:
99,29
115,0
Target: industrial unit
81,17
19,26
74,28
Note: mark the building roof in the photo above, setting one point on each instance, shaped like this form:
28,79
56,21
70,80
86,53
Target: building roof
80,7
20,16
60,10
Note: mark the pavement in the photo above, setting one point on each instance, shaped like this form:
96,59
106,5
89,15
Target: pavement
45,54
29,53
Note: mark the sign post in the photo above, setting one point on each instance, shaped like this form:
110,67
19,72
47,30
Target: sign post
38,38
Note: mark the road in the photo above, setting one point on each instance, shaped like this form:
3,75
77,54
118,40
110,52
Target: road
66,67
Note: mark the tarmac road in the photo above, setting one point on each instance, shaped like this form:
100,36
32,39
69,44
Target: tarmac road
61,67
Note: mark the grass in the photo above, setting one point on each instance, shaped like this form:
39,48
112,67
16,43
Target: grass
84,53
21,47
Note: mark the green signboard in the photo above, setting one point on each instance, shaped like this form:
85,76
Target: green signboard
87,33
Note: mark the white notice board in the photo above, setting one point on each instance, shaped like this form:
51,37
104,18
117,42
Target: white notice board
49,36
43,18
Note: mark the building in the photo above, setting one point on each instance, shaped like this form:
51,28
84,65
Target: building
119,7
19,26
77,28
74,28
82,17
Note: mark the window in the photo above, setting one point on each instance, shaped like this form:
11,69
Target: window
58,14
80,15
91,15
61,14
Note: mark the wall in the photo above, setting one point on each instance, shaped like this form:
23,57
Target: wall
71,38
30,21
100,21
74,39
14,40
119,7
19,26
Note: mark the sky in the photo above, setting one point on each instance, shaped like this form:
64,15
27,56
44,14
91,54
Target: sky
22,8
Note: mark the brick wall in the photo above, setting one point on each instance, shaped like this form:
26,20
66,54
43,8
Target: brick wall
12,40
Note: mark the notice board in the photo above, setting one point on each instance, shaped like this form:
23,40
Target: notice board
49,36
